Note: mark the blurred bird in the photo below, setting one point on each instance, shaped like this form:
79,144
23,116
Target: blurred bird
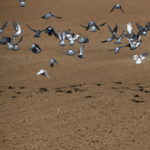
35,49
117,6
116,50
140,58
38,32
52,62
72,39
81,51
22,3
50,31
1,30
47,16
93,26
4,40
16,44
83,40
113,34
62,38
70,52
17,28
43,72
10,44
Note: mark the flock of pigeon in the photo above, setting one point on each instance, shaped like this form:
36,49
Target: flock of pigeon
134,39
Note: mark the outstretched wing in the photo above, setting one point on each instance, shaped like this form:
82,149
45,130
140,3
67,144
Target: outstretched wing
121,9
143,56
56,16
83,26
102,24
135,57
31,28
19,41
129,28
139,26
45,29
5,24
112,9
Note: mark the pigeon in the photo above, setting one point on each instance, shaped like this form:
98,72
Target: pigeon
35,49
1,30
139,59
81,51
148,26
117,6
142,30
16,44
17,28
120,37
50,31
93,26
70,52
83,40
47,16
43,72
10,44
62,38
52,62
113,34
116,50
4,40
22,3
134,43
38,32
72,39
134,40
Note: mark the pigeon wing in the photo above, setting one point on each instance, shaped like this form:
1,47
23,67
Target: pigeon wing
135,57
129,28
56,16
121,9
19,41
102,24
112,9
139,26
143,56
83,26
76,37
5,24
31,28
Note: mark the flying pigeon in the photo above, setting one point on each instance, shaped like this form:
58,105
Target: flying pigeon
38,32
10,44
120,37
1,30
62,38
117,6
139,59
113,34
83,40
35,49
50,31
17,28
116,50
93,26
142,30
81,51
22,3
52,62
70,52
16,44
43,72
4,40
72,39
47,16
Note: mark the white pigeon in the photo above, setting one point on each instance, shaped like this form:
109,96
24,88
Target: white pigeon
129,28
17,28
22,3
43,72
140,58
62,38
72,39
81,51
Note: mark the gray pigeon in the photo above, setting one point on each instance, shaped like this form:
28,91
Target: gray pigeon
142,30
4,40
38,32
16,44
52,62
113,34
47,16
62,38
116,50
83,40
35,49
120,37
93,26
71,52
50,31
117,6
72,39
1,30
22,3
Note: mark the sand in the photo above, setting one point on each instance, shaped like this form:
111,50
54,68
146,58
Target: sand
100,102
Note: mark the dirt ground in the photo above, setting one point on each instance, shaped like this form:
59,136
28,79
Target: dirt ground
100,102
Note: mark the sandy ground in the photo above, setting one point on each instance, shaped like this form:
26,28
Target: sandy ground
100,102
